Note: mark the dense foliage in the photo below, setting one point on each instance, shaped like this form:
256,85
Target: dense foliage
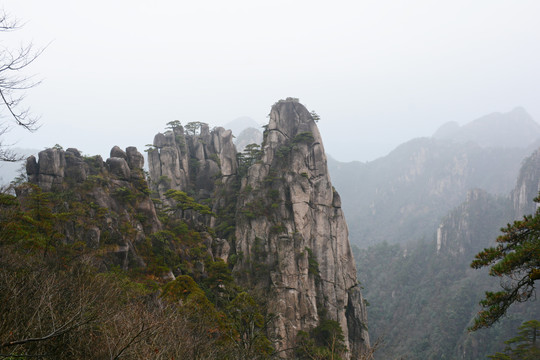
69,298
324,342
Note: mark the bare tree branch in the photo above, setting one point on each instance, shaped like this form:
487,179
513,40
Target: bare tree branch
13,85
68,326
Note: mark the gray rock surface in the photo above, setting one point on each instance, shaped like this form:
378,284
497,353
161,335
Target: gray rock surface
119,168
455,234
290,220
134,158
32,168
168,162
289,236
221,249
76,168
194,162
118,153
51,165
527,186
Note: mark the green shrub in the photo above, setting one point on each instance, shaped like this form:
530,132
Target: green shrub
303,137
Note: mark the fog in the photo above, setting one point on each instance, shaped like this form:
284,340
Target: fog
377,72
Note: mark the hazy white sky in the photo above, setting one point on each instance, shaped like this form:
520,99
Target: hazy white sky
377,72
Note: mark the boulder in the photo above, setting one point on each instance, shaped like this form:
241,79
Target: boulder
32,168
119,168
116,152
134,158
76,168
52,162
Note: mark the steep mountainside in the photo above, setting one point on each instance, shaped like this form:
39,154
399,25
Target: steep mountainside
427,294
253,246
288,239
404,195
290,221
90,270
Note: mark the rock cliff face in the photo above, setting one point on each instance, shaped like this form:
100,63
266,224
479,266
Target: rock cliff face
193,162
527,186
291,236
473,225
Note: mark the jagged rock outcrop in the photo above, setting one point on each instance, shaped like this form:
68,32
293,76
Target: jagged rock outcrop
292,235
168,162
527,186
276,218
134,158
192,162
76,169
119,168
202,163
279,220
122,211
49,172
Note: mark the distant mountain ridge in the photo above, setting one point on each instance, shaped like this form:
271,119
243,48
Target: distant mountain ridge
512,129
248,136
426,293
403,196
240,124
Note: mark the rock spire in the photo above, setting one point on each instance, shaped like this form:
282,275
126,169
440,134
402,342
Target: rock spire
292,235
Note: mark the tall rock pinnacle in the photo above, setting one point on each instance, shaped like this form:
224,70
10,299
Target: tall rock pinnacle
291,235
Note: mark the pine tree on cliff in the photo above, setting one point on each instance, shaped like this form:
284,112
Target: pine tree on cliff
516,260
524,346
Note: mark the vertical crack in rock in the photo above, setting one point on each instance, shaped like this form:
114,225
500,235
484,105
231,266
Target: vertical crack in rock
293,240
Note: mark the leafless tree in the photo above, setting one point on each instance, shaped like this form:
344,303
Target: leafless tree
55,311
13,86
369,353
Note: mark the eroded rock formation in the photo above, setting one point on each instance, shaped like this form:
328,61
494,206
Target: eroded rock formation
276,218
192,162
122,213
292,235
289,240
